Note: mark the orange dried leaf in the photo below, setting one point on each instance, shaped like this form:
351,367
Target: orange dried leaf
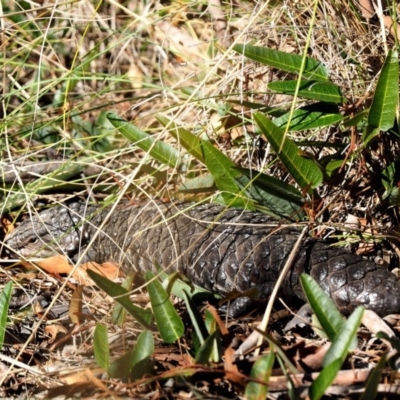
54,330
7,225
75,306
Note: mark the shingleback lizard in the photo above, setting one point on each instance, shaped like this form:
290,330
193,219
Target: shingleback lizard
219,249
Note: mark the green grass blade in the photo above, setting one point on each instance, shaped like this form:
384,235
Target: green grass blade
314,69
5,297
101,348
303,170
261,371
121,295
169,324
159,150
314,90
384,104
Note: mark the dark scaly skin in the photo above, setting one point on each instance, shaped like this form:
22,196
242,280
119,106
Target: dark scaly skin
219,249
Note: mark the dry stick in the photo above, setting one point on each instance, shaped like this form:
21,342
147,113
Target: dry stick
285,270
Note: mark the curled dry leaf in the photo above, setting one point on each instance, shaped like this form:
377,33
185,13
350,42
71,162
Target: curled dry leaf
374,323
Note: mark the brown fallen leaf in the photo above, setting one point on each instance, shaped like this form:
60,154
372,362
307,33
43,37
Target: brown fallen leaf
75,305
8,227
54,330
60,265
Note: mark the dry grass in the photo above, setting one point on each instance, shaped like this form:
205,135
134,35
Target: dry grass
65,64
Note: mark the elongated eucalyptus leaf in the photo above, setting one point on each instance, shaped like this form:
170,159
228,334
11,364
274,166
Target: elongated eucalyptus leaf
314,90
314,69
303,170
384,104
324,380
159,150
345,338
169,324
323,306
386,98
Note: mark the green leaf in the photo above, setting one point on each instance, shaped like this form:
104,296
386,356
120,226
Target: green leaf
323,306
390,178
359,118
5,297
394,359
121,295
310,117
169,324
279,188
374,379
101,348
384,104
218,164
344,339
324,380
51,182
119,312
269,196
199,184
195,318
261,371
144,347
222,169
135,363
314,69
185,138
314,90
159,150
206,353
303,170
332,166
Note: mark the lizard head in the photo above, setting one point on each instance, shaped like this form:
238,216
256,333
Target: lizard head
56,231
